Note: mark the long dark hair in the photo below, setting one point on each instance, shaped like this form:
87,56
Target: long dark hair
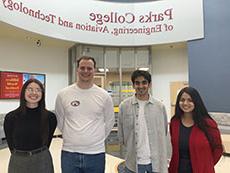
22,109
41,104
199,114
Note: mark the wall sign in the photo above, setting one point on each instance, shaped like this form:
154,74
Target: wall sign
108,23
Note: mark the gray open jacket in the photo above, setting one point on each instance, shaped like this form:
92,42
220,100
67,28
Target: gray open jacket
156,121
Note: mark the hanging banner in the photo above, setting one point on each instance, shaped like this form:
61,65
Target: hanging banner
108,23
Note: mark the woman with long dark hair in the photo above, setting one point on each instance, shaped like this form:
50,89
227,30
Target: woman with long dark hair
195,137
29,130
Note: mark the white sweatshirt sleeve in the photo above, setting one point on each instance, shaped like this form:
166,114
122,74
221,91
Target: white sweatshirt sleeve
59,111
108,116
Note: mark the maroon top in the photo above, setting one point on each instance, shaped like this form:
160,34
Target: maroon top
203,158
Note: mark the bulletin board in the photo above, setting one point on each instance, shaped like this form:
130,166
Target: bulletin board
12,82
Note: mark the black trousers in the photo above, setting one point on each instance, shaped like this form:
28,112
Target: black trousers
185,166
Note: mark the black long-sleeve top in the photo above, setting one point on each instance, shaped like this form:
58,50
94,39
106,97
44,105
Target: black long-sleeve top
184,141
26,131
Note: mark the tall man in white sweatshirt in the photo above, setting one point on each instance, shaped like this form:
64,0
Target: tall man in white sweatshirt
85,118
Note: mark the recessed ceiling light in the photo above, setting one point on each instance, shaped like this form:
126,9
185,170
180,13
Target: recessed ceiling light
143,68
103,70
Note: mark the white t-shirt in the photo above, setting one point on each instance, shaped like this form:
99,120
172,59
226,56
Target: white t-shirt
85,118
143,149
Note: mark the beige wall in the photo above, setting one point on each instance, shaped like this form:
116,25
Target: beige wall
169,64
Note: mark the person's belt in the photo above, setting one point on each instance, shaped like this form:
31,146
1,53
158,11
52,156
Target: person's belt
29,153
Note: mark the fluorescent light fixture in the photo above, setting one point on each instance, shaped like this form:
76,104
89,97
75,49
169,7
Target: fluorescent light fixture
144,68
103,70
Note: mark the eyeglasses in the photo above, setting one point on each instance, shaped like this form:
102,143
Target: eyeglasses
33,90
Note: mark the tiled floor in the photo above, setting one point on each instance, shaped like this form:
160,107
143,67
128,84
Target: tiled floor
223,165
111,162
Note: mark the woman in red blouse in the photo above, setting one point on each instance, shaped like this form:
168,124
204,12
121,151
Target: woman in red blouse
195,137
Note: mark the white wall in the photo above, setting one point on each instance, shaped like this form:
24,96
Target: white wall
169,64
21,55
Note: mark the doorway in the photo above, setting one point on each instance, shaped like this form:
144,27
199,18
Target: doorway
175,87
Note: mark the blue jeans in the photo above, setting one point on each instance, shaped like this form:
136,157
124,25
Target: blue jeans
82,163
141,169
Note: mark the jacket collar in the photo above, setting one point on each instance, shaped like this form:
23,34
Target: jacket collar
134,100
